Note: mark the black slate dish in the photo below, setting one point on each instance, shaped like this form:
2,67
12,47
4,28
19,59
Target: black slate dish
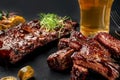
29,9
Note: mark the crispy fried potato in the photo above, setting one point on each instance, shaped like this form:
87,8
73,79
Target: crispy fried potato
11,21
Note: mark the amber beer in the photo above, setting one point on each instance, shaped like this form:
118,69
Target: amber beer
94,16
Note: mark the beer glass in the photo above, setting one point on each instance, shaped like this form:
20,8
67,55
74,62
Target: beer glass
94,16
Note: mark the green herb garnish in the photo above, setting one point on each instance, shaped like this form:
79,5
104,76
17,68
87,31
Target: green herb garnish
3,13
51,21
0,15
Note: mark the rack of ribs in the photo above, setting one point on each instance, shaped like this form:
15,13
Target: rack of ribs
94,56
17,42
61,60
88,54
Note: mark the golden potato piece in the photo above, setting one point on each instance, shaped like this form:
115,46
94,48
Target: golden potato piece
11,21
8,78
15,20
25,73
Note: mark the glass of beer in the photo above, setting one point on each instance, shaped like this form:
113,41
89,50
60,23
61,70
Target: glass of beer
94,16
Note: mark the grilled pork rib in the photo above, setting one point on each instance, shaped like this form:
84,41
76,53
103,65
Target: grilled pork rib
21,40
76,39
79,72
109,42
63,43
61,60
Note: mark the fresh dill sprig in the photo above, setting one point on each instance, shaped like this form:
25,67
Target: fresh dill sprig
51,21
